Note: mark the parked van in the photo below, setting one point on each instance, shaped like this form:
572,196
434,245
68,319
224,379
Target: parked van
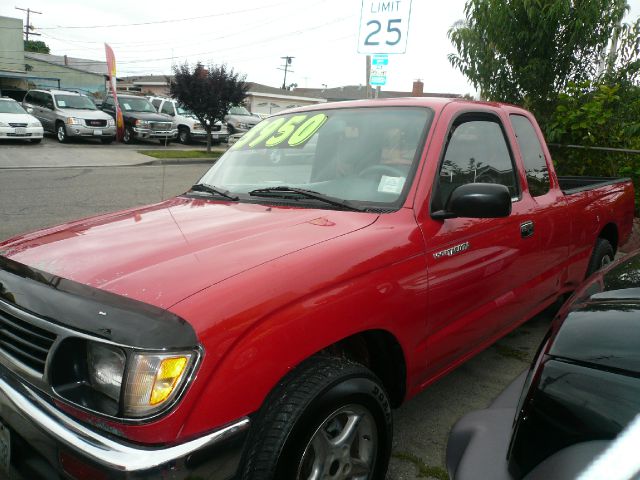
69,114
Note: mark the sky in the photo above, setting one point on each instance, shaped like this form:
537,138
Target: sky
251,36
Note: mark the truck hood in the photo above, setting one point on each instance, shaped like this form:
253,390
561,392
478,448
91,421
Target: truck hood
164,253
88,114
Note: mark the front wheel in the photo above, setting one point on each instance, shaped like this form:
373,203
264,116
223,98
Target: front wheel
329,418
128,135
184,136
61,133
602,255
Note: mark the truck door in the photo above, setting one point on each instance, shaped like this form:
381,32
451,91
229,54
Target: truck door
477,268
548,217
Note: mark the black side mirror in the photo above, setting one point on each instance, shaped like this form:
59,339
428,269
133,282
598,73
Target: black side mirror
477,200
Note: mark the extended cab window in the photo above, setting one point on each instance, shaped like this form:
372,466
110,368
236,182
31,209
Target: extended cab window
156,103
476,152
535,164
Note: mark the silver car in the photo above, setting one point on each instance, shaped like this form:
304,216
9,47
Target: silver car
69,114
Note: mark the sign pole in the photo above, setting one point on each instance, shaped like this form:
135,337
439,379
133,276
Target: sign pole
368,73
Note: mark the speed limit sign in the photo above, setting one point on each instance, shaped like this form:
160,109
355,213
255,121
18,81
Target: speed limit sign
384,26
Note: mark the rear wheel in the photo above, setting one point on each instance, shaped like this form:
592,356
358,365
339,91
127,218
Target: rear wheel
329,418
61,132
602,255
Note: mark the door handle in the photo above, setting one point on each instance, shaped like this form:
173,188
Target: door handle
526,229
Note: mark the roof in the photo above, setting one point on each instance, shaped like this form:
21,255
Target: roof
359,92
147,79
80,64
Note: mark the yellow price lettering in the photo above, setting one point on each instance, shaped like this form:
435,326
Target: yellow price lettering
307,129
266,132
247,137
285,130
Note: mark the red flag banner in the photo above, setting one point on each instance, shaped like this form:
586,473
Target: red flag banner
111,67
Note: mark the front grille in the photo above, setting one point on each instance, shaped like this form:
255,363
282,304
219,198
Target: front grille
96,123
23,342
216,128
17,125
18,134
160,126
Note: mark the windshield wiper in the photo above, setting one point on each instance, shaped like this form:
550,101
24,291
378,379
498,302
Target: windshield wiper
203,187
283,190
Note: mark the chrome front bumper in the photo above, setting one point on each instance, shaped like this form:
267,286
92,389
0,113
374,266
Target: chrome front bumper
149,133
47,431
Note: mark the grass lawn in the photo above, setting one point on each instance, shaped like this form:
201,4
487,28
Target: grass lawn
180,153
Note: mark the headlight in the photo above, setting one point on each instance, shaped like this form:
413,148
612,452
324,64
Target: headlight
153,380
2,124
35,124
111,122
74,121
142,123
118,382
197,126
105,365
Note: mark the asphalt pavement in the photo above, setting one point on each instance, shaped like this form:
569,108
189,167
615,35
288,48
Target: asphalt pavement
56,183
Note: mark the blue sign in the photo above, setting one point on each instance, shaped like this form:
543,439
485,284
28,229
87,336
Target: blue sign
380,60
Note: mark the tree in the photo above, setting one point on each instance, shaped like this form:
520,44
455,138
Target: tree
36,46
207,92
527,51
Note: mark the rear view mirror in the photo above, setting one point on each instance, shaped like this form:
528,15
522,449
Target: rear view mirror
477,200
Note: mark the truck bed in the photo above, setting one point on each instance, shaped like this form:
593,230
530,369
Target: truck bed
571,185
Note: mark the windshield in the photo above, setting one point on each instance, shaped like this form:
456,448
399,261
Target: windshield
136,104
74,101
11,107
239,111
364,155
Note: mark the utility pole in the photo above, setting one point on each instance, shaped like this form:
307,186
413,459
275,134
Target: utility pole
287,62
28,26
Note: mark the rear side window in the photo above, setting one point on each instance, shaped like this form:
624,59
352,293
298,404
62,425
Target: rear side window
477,152
167,108
34,98
535,164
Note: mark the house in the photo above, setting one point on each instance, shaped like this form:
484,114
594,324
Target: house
21,71
157,85
270,100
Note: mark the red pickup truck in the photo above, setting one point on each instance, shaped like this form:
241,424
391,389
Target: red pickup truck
333,263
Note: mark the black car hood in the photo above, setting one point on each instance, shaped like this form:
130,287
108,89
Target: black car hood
153,117
601,327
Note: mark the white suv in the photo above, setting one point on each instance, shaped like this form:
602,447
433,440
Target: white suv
189,127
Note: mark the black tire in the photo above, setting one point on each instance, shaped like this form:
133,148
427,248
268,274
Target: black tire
317,397
36,140
106,141
61,133
231,129
128,136
184,135
602,255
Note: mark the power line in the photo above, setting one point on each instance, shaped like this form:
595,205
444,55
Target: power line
159,22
